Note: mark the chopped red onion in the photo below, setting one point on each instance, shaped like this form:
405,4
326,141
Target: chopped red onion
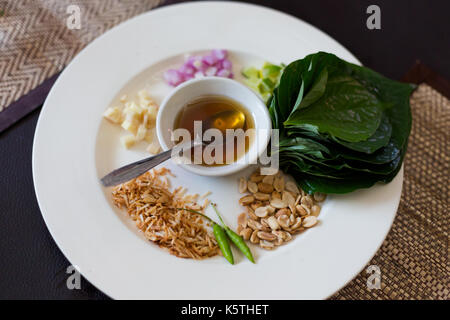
226,64
191,60
199,74
199,65
214,63
223,73
186,69
210,59
211,71
220,54
173,77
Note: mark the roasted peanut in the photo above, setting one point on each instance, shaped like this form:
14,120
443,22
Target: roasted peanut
245,200
265,187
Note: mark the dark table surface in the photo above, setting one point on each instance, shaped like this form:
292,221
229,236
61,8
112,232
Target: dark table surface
31,265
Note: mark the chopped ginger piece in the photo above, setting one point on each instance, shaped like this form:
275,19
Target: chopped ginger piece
145,103
113,114
143,94
149,118
152,111
131,108
130,125
150,135
128,141
123,98
145,120
138,117
131,115
141,132
144,98
153,147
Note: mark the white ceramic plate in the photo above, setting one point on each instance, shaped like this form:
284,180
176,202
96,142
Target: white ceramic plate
73,147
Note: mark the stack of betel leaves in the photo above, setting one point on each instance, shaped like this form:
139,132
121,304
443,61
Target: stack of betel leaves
342,126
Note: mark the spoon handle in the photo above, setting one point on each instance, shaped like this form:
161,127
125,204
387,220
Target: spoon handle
134,169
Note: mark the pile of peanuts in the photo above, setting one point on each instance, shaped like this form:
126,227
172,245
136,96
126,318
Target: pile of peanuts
276,209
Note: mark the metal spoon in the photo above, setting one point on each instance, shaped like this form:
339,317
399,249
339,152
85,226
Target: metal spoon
135,169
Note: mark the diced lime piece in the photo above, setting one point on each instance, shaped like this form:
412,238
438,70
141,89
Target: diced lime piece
266,96
262,88
268,84
263,81
270,70
250,73
253,84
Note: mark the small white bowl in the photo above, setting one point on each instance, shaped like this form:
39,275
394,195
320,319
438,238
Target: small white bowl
192,89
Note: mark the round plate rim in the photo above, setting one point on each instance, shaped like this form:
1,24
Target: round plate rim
57,84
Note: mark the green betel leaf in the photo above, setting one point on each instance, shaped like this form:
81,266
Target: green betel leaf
383,155
290,84
346,111
274,111
311,184
302,144
378,140
346,166
304,76
343,126
317,90
393,92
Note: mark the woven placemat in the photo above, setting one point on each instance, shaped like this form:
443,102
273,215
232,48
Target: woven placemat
413,259
38,38
36,44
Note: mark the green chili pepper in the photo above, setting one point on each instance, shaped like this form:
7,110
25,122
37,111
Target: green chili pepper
199,213
236,239
219,234
240,243
222,241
